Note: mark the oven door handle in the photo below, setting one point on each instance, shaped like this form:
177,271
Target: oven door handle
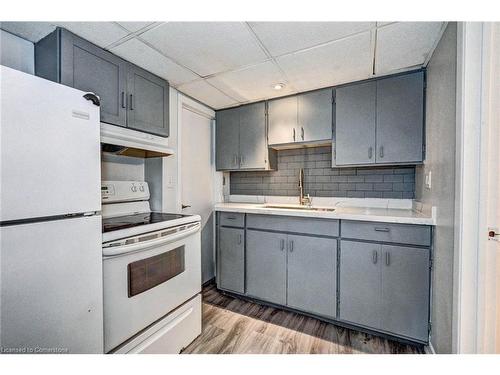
140,246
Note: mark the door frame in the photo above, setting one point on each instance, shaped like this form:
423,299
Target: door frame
475,72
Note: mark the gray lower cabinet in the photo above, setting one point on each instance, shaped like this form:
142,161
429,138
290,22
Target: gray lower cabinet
130,96
385,287
405,291
147,102
380,122
231,259
360,287
312,274
266,266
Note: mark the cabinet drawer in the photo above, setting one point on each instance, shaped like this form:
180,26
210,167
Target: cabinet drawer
306,225
384,232
232,219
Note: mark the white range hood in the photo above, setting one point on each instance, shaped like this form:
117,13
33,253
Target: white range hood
128,142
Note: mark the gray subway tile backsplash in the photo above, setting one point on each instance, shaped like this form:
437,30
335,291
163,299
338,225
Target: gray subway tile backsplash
321,180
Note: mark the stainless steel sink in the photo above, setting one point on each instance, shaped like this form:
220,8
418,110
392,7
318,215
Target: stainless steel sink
298,207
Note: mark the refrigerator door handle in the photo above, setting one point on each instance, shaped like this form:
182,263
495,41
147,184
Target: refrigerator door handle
93,98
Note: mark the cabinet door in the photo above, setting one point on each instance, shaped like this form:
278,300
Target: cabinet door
266,266
360,283
354,140
405,291
227,141
231,259
400,119
87,67
315,116
312,265
147,102
253,143
282,115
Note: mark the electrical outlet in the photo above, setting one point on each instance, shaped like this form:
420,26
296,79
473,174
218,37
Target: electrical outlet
428,180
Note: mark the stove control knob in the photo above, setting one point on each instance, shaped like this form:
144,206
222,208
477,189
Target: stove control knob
141,188
133,188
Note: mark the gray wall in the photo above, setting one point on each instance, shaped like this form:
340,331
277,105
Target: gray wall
16,53
321,180
440,138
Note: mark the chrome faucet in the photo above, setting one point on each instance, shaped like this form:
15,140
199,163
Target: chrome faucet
303,200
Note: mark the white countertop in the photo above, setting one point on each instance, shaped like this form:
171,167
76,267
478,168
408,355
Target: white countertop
377,214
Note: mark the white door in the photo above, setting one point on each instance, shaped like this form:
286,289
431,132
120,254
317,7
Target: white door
50,149
197,180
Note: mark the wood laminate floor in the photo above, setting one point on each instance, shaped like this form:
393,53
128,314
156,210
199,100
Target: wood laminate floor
233,325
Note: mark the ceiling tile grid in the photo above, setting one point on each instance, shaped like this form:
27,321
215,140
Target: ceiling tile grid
224,64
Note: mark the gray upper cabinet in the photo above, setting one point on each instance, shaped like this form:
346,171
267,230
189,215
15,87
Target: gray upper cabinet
227,139
231,259
87,67
253,144
405,291
130,97
354,140
241,142
282,120
304,118
400,119
147,102
266,266
315,116
360,287
312,270
380,122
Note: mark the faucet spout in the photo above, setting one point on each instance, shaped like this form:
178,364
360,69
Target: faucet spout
303,200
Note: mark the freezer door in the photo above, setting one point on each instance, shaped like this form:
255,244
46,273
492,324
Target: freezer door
50,149
51,286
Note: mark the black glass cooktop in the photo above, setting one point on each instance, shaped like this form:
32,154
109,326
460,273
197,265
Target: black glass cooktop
129,221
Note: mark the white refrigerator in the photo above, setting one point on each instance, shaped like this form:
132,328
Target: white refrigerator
50,223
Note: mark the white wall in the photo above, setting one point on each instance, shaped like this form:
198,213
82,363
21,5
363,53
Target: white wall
440,160
17,53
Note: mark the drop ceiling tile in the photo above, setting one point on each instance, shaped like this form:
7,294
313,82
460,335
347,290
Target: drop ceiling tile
137,52
32,31
207,94
404,44
285,37
206,47
100,33
134,26
342,61
252,83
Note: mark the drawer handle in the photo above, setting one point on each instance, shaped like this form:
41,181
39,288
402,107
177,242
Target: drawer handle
374,256
378,229
231,217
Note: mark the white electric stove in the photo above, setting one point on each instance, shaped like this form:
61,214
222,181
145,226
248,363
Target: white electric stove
152,273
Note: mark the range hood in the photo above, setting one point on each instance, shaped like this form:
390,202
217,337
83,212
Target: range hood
127,142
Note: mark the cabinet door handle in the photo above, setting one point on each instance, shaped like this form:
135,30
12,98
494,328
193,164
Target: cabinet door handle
293,134
381,152
370,152
378,229
387,258
235,160
374,256
239,239
242,160
123,100
291,246
131,105
282,244
302,132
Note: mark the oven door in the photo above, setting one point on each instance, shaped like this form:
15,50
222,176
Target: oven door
146,277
